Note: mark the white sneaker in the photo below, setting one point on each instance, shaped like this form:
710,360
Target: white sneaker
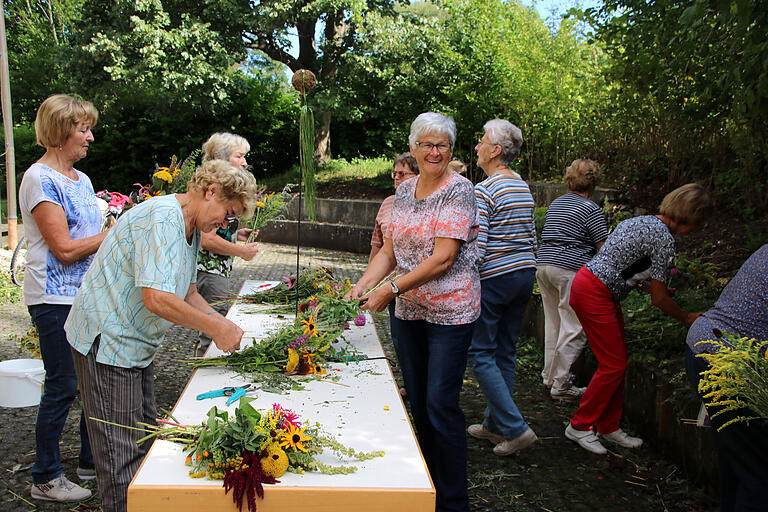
586,439
86,473
621,438
480,432
510,446
570,394
59,489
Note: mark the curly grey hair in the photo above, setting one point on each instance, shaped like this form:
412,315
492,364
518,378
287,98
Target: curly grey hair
234,183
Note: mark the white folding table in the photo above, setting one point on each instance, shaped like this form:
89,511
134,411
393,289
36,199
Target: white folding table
362,409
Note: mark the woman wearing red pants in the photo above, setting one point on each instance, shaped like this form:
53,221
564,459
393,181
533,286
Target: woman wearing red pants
639,249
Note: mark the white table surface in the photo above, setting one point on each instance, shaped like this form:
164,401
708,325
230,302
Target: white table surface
362,410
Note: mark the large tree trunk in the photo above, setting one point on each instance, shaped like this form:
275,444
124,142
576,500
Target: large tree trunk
335,30
323,138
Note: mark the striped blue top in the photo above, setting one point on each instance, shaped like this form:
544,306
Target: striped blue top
572,230
507,237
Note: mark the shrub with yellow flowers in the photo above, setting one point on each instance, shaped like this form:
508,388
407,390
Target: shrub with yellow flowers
737,378
254,448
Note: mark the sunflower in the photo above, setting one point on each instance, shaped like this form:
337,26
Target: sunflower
294,437
309,327
293,361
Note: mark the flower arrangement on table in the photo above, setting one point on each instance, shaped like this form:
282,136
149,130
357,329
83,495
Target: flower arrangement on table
269,206
168,180
299,348
253,448
737,378
318,281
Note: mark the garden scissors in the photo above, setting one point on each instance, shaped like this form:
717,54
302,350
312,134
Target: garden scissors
234,393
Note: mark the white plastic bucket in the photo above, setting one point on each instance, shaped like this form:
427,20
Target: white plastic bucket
21,382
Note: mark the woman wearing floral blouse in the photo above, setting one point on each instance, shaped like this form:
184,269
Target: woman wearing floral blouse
432,241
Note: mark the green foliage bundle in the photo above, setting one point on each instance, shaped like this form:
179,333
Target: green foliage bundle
253,448
652,336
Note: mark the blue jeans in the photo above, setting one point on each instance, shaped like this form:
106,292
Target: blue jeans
741,451
59,392
494,348
433,359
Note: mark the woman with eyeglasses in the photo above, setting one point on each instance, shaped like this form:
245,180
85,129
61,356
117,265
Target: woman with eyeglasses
507,243
141,282
218,248
432,241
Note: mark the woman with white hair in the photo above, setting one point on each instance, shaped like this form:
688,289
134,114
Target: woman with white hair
432,240
218,248
507,241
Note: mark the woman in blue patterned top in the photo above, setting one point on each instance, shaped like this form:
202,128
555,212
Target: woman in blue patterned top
742,448
638,250
62,223
507,264
142,281
573,232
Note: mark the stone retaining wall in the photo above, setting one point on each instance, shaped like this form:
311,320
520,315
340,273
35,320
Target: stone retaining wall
347,225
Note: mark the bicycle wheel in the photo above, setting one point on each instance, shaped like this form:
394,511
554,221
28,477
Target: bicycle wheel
19,262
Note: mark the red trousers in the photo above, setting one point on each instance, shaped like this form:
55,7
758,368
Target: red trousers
603,322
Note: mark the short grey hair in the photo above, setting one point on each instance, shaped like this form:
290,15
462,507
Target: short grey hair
506,135
432,122
221,145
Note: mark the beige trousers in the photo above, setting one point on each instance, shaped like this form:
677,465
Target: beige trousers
564,339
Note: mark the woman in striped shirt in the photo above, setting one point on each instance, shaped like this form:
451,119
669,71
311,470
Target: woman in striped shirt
507,264
573,232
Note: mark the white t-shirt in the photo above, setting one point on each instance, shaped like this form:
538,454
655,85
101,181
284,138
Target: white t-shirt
47,280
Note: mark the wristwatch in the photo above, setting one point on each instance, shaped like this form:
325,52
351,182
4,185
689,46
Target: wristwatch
395,289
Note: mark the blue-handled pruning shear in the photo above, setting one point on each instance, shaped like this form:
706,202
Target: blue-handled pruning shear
234,393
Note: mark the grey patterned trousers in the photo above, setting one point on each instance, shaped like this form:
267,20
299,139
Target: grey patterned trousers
124,396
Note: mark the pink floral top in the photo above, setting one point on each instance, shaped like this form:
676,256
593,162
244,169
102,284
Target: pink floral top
449,212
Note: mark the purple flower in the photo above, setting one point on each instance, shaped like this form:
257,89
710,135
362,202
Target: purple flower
346,326
360,320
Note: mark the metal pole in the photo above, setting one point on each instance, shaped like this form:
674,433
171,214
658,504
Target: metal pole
10,155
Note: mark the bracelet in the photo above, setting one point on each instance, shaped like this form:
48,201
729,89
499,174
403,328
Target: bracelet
211,312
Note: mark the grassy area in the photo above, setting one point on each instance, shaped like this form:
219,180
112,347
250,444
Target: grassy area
340,178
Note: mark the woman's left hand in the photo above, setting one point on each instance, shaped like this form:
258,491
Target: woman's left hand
378,299
244,233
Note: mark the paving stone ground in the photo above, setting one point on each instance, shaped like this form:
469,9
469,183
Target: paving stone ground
17,426
552,475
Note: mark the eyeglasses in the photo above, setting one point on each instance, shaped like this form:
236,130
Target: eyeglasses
481,141
400,174
230,218
426,147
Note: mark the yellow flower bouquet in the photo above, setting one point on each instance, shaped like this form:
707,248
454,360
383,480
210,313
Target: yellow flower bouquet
253,448
737,378
269,206
168,180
